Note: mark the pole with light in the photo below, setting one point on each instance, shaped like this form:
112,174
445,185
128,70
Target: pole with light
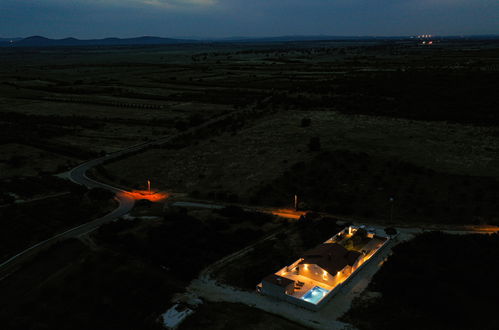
391,208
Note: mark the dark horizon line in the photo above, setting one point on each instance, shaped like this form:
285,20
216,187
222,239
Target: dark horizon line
194,38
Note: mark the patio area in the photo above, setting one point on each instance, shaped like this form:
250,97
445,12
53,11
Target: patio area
307,286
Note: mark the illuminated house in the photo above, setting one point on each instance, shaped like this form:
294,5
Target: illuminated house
328,261
314,278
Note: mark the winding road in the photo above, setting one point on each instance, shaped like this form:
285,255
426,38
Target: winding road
125,200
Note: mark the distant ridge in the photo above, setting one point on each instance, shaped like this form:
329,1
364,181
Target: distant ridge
39,41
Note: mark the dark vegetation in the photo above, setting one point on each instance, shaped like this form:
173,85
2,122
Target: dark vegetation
273,254
181,244
133,268
123,282
357,241
37,131
449,95
28,187
348,183
238,214
436,281
420,93
305,122
314,144
40,130
72,287
25,224
219,316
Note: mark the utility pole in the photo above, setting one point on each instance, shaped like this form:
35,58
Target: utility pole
296,202
391,208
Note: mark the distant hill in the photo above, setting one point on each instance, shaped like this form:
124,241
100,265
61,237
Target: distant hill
38,41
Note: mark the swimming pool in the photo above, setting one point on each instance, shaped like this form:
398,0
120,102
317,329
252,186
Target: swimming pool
315,295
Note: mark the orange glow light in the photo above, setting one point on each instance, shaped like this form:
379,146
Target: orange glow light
482,229
288,213
153,196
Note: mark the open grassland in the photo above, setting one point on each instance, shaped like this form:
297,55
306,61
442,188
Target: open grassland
84,101
430,168
267,148
278,105
395,102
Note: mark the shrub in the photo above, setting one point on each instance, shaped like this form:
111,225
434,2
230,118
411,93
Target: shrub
314,144
99,194
305,122
390,231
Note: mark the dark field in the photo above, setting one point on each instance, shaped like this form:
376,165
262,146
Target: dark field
66,105
120,277
217,316
358,184
435,281
344,125
48,206
423,121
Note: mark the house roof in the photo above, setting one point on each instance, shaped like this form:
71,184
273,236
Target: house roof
331,257
278,280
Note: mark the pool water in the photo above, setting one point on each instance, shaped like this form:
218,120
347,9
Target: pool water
315,295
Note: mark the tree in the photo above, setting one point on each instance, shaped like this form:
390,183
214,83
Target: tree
361,232
390,231
78,189
144,203
305,122
314,144
100,194
348,244
7,199
232,211
311,215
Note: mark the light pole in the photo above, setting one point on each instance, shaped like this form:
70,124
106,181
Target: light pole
391,208
296,202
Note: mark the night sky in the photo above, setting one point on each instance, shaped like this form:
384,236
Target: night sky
227,18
